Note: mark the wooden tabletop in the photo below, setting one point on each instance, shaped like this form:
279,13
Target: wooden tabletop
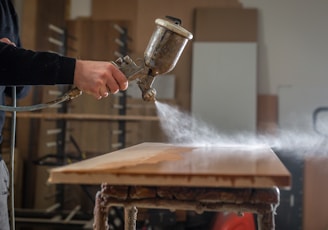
160,164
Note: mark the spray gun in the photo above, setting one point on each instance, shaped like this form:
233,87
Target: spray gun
160,57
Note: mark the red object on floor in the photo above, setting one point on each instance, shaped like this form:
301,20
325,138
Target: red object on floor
231,221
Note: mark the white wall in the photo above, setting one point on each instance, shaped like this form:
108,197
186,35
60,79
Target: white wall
80,8
293,43
224,85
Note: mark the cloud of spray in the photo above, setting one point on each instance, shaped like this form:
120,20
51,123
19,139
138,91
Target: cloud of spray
182,128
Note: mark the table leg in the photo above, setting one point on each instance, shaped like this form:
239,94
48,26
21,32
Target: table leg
266,221
100,214
263,202
130,218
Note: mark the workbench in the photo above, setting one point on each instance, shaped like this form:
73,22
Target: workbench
235,178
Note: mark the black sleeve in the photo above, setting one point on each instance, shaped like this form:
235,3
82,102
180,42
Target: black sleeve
25,67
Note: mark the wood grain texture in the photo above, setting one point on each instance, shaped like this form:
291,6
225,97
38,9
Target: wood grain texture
159,164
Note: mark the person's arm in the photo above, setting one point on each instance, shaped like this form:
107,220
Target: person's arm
25,67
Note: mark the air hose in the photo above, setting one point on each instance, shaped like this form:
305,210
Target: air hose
71,94
12,159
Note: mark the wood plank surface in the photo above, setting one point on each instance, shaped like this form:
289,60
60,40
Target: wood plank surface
160,164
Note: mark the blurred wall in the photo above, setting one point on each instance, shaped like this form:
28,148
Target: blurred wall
293,47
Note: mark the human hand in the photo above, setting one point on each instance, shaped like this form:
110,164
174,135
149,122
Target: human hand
99,78
6,40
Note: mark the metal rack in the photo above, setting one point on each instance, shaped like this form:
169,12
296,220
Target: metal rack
123,50
56,215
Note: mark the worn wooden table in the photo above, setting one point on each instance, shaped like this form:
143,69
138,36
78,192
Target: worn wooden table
238,178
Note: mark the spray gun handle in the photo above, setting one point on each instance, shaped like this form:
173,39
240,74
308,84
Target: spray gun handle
129,68
137,72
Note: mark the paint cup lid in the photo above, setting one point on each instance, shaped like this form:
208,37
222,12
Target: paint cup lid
176,28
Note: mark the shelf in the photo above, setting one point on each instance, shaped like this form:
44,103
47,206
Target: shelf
84,116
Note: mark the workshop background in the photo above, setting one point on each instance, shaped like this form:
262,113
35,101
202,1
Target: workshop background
279,45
